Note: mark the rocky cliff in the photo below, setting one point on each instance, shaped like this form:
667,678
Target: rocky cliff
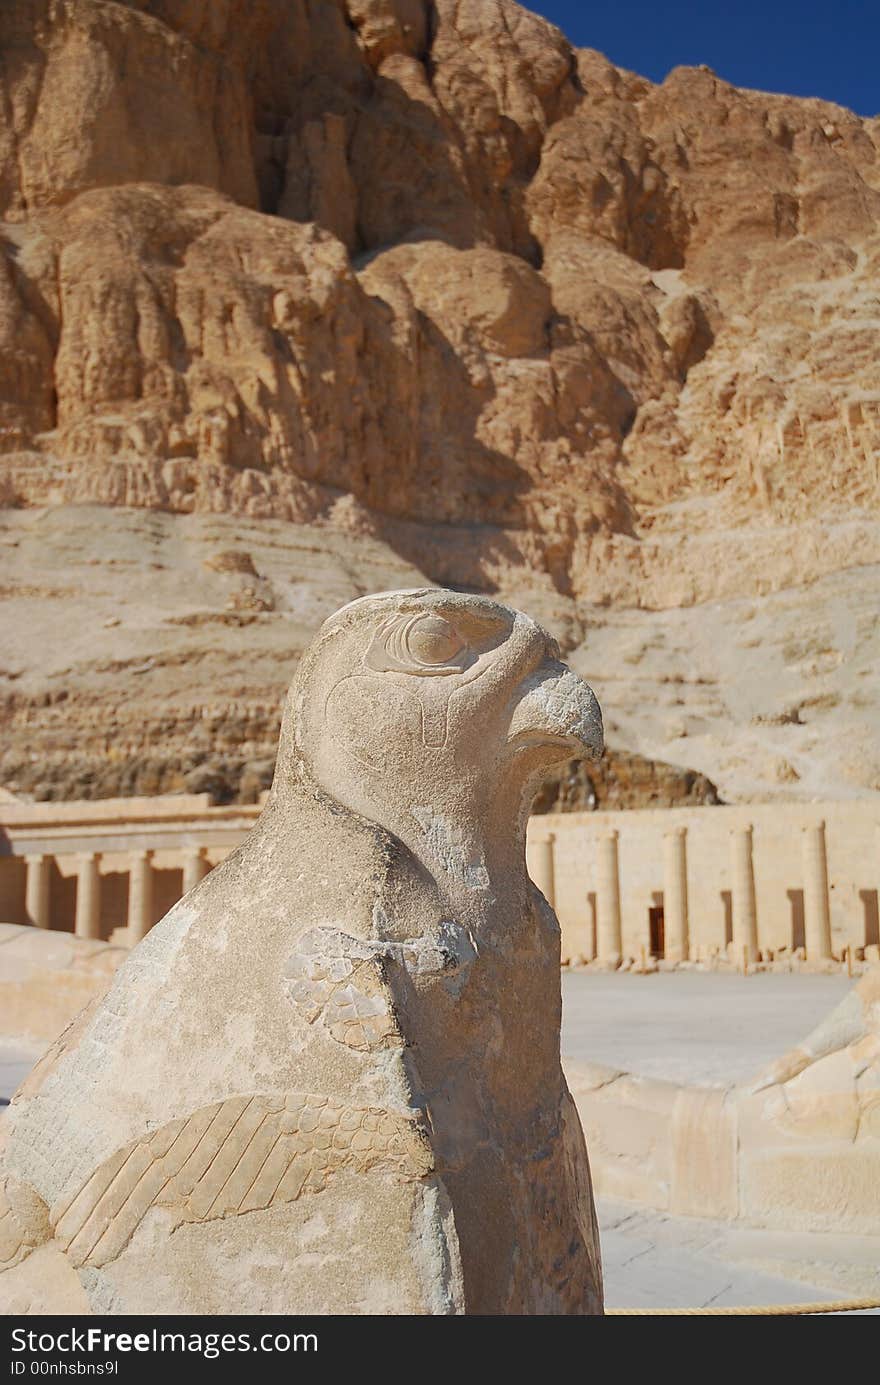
416,274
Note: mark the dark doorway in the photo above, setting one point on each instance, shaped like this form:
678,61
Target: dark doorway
798,927
13,877
593,938
167,890
62,900
872,916
727,903
656,928
114,902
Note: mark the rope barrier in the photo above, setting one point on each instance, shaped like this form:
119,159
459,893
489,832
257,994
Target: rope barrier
846,1305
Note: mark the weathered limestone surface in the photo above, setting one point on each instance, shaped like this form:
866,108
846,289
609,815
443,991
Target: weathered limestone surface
293,248
47,977
329,1079
426,273
797,1149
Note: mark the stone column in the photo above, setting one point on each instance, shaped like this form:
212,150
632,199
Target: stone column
544,870
745,913
817,910
609,934
675,895
88,896
140,896
37,890
195,868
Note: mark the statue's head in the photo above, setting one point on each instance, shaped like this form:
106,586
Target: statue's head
411,685
416,692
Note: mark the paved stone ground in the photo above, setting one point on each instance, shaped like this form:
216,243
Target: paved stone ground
656,1261
706,1028
710,1028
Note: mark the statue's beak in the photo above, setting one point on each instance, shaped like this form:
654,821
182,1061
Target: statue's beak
558,711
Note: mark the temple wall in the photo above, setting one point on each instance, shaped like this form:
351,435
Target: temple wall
852,844
108,870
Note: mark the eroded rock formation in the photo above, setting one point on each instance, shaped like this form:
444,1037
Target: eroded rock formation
426,273
430,257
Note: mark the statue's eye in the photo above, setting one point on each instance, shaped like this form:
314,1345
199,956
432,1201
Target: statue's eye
432,640
426,643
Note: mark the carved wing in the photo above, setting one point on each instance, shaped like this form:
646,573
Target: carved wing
239,1155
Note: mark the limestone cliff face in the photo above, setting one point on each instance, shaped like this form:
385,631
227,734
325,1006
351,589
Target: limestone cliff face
424,272
260,254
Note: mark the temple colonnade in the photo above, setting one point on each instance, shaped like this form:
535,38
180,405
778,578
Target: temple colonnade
678,883
684,884
110,869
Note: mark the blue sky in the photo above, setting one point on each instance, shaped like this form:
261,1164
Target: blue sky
802,47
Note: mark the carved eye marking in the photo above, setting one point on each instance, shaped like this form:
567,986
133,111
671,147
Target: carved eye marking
425,644
432,640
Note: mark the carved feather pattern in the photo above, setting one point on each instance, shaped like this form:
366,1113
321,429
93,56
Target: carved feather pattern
240,1155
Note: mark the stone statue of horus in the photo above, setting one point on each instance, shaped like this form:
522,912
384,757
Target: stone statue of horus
329,1080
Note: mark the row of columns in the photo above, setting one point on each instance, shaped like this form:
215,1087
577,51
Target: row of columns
817,905
609,924
609,930
87,922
